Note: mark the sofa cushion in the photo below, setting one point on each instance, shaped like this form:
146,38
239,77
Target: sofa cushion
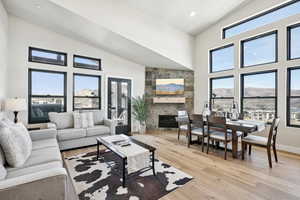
62,120
39,144
16,144
72,133
16,172
98,115
2,157
44,155
98,130
3,172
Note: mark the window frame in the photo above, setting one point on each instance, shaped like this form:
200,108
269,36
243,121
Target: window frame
90,58
30,96
210,58
289,97
289,28
87,97
254,17
259,97
255,38
211,89
30,49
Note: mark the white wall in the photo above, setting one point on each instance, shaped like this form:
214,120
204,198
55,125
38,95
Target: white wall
289,138
3,51
23,34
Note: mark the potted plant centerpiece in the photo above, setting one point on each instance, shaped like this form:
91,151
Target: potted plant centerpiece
140,112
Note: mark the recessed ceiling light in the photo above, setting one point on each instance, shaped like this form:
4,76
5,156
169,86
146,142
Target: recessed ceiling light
193,13
38,6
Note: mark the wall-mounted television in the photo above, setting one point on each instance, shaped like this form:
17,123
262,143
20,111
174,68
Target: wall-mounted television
169,86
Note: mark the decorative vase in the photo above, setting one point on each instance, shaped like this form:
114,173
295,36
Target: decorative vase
142,128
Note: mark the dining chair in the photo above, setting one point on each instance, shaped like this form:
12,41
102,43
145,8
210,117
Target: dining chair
199,129
217,131
183,121
266,142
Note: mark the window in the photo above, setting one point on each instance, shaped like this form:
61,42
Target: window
86,92
259,95
259,50
221,93
294,42
47,93
86,62
293,97
222,59
270,16
47,56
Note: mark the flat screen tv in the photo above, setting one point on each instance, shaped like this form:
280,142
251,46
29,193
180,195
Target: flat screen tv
169,86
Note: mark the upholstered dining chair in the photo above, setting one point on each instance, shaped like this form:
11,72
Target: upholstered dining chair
218,131
183,121
266,142
199,129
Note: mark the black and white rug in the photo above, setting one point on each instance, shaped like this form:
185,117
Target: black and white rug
93,179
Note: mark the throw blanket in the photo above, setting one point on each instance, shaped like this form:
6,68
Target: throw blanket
137,156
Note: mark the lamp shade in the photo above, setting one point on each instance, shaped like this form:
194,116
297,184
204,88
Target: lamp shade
15,104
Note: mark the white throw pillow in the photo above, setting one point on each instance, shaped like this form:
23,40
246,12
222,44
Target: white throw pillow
16,144
90,118
77,120
84,120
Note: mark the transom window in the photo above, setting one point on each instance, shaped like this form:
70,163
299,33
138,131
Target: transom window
221,93
294,42
293,97
259,95
286,10
87,93
86,62
222,59
47,93
259,50
47,56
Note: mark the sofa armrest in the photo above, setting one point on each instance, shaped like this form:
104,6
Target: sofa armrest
112,125
42,134
51,125
47,184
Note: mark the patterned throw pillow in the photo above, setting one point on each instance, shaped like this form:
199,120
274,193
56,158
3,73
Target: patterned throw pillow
16,144
83,120
77,120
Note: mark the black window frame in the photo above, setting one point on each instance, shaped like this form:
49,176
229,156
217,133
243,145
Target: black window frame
259,97
210,58
255,38
211,89
90,58
289,28
30,49
289,97
254,17
30,96
87,97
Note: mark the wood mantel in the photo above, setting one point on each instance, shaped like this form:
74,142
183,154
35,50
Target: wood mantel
168,99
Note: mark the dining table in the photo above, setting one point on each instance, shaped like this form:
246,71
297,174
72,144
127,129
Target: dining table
235,126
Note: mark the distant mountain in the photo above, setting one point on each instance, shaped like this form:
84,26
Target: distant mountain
251,92
172,87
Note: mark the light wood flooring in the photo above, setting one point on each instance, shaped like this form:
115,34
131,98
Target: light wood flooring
216,178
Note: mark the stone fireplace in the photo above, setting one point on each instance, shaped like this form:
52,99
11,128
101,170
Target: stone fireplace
158,111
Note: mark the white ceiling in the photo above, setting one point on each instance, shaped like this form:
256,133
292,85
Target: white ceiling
128,28
177,12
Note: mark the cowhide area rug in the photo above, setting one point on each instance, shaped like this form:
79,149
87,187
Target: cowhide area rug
94,180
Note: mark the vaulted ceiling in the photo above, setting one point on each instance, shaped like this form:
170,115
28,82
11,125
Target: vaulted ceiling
155,33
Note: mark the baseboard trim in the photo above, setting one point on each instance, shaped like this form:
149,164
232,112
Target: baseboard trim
290,149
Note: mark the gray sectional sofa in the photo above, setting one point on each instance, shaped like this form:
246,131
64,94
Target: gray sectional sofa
43,176
69,137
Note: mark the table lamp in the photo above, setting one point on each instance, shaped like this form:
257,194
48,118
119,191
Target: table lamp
15,105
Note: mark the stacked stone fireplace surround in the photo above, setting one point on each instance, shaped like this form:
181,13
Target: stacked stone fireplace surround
156,109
